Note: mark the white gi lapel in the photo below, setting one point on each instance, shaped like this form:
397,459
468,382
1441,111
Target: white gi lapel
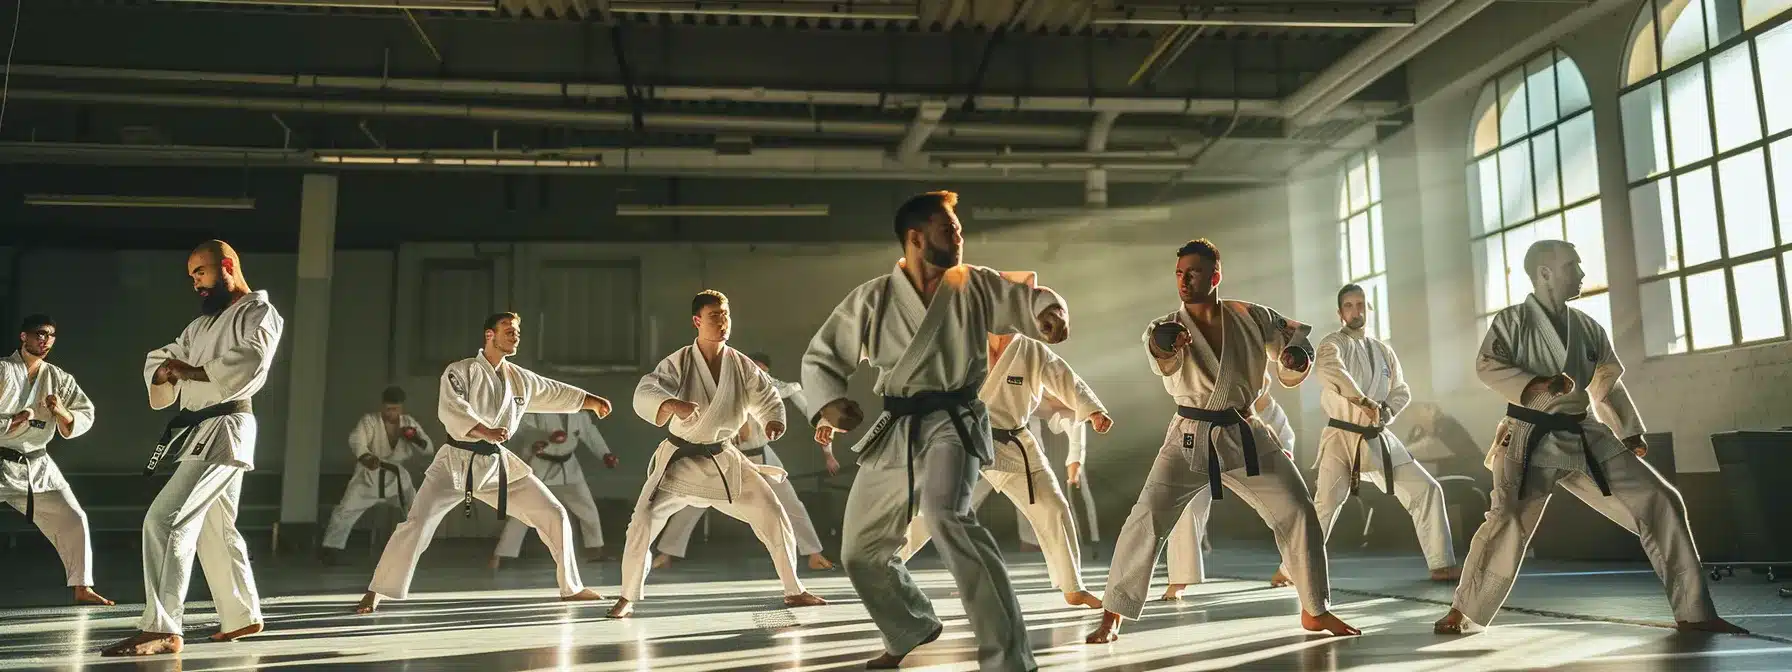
1539,330
945,300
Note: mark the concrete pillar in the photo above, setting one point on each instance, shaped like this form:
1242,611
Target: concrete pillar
308,337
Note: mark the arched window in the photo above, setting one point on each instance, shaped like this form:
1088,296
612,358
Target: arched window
1707,111
1534,176
1362,259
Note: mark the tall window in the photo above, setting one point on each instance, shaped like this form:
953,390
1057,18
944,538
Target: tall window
1361,257
1707,110
1534,176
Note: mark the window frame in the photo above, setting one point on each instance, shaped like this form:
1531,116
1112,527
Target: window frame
1375,213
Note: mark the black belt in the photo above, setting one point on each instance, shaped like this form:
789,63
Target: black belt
690,449
1365,435
1013,436
1546,423
919,406
389,468
21,457
179,429
1216,421
497,452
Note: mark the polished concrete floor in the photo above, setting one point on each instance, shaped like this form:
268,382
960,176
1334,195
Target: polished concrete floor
725,614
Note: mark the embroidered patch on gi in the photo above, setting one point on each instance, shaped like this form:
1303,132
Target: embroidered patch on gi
38,424
1014,380
454,383
1501,350
1188,440
197,449
517,400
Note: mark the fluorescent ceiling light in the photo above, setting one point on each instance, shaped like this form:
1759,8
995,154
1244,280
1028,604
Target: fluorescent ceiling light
445,5
101,201
1153,214
626,210
1302,17
790,10
472,161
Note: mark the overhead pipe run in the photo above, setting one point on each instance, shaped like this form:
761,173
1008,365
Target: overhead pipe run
1307,15
1377,56
1095,182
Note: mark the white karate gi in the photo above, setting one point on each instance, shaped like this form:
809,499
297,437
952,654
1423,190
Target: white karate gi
1053,415
565,479
1354,365
726,481
1020,376
195,513
474,393
1253,339
935,347
36,483
369,437
1523,344
1186,552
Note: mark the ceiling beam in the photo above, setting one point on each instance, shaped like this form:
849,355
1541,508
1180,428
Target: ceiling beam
927,118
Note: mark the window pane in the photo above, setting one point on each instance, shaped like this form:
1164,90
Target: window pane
1580,161
1379,253
1721,21
1758,300
1376,289
1587,231
1641,63
1490,269
1748,221
1540,86
1645,132
1486,127
1374,178
1571,88
1757,12
1517,242
1688,112
1598,307
1358,179
1487,173
1513,123
1547,171
1664,317
1708,302
1359,245
1775,48
1733,98
1652,215
1698,218
1683,30
1517,202
1782,183
1548,228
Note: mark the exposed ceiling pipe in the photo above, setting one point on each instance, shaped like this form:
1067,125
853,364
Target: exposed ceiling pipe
887,11
1095,182
926,119
580,91
1377,56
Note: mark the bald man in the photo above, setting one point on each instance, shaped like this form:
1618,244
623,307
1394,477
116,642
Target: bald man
219,361
1553,364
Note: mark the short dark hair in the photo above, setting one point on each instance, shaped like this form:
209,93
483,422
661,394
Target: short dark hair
1352,287
1199,247
491,323
707,297
393,395
761,357
917,211
35,320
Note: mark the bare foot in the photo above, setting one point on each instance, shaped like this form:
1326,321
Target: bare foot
1174,592
1447,574
237,634
1082,597
585,595
145,644
891,661
1326,622
1107,632
1453,623
85,595
804,599
1714,625
623,608
1280,580
369,603
662,561
495,562
820,562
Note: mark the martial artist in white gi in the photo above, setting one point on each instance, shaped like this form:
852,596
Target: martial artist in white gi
1055,417
1024,370
381,442
1212,356
925,327
675,540
212,370
1553,364
481,402
1362,392
1186,550
702,394
554,440
42,402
